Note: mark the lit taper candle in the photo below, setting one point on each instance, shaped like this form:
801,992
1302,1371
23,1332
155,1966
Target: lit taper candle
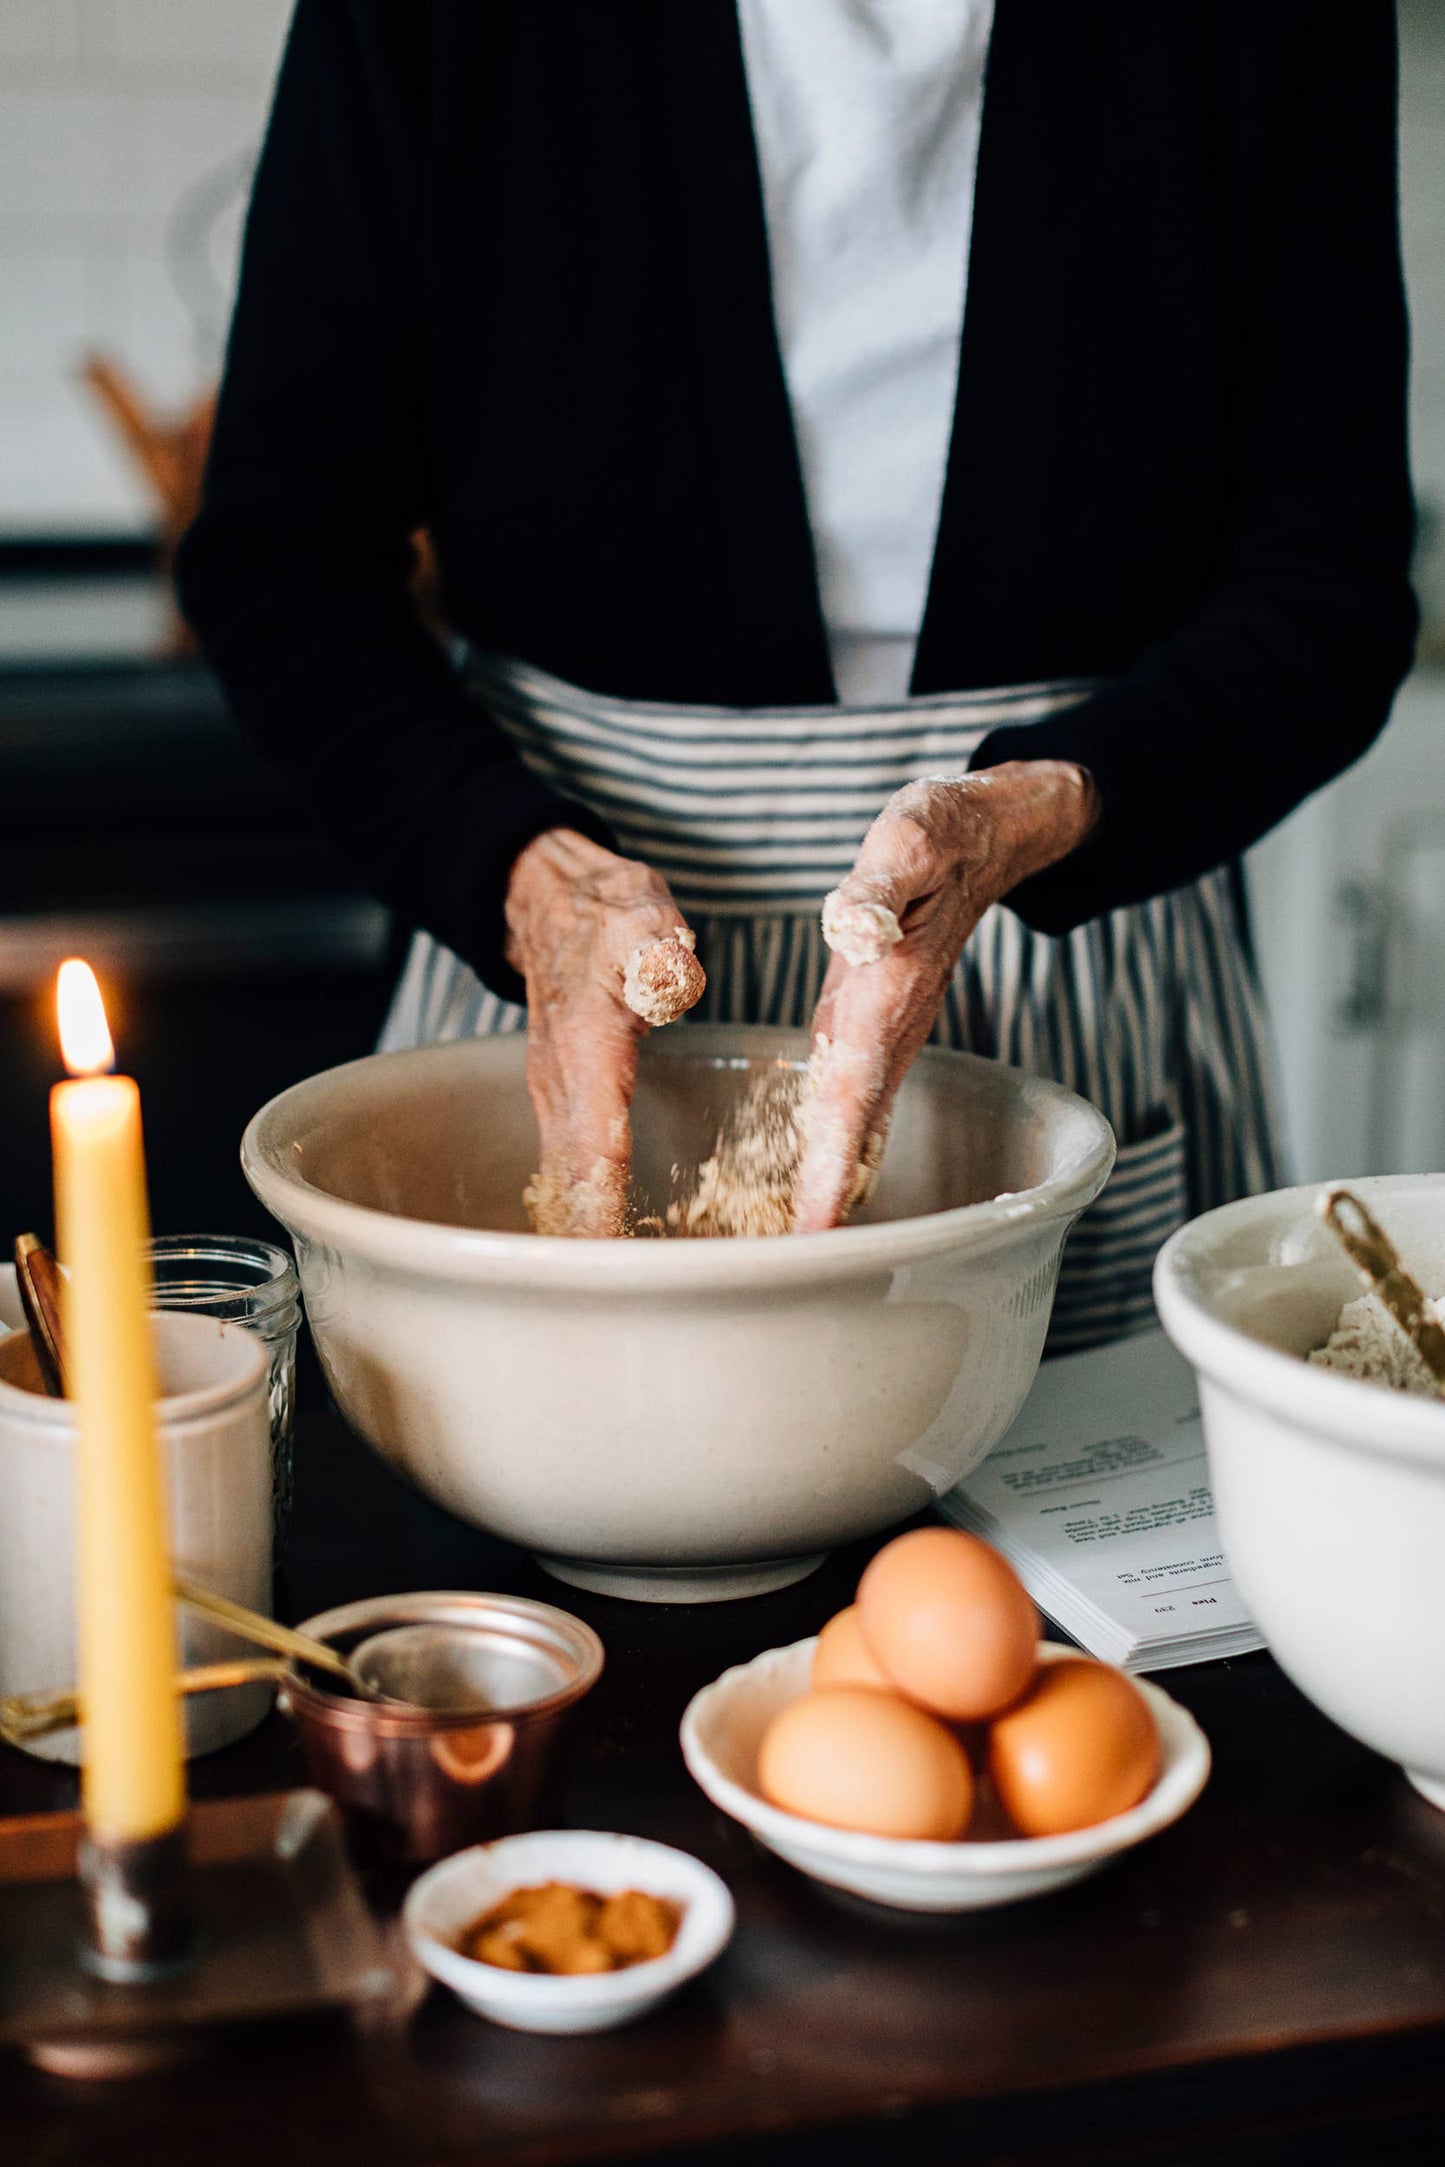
133,1788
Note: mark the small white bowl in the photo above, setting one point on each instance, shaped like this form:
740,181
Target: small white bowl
453,1895
723,1728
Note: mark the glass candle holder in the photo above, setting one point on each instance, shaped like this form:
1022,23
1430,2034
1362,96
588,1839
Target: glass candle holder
252,1283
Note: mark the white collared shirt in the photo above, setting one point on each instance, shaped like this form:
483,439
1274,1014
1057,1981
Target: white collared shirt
866,116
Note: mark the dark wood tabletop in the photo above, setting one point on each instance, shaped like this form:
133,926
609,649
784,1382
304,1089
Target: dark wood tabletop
1263,1982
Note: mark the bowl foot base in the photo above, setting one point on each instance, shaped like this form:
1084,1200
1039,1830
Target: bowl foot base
682,1583
1429,1787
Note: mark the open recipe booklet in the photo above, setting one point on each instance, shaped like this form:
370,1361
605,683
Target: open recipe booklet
1099,1498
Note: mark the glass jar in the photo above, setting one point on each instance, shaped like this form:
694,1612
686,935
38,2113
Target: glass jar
243,1282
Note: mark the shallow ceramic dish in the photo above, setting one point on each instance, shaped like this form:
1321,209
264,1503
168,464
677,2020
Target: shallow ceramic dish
1330,1490
723,1727
667,1419
449,1899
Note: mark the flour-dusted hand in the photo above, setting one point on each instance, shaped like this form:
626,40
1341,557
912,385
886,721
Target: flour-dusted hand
605,953
938,855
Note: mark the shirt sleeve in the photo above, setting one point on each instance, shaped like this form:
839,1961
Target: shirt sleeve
295,573
1286,673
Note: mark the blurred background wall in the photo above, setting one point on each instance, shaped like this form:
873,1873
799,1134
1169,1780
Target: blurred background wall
136,825
128,129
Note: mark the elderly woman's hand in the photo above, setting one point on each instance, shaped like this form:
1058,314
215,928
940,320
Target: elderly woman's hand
937,856
605,953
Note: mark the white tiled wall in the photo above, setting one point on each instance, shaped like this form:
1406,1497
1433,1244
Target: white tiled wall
112,113
112,110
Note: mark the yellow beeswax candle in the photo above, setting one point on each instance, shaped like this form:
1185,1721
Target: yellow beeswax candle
133,1781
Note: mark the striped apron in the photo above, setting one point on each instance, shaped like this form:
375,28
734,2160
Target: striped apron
752,815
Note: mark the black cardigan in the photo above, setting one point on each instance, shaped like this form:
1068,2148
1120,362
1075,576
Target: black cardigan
506,276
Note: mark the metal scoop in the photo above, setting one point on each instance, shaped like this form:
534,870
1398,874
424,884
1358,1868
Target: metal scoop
266,1633
26,1716
448,1669
420,1666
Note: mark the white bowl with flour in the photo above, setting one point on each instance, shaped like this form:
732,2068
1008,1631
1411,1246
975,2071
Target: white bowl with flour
1330,1487
673,1420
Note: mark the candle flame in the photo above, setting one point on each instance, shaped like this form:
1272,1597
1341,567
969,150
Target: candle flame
85,1040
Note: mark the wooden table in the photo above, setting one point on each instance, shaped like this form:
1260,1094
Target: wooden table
1265,1981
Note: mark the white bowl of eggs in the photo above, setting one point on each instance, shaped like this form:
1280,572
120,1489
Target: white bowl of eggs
928,1751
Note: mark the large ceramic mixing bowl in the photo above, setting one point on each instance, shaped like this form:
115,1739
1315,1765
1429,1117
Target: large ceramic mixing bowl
675,1420
1330,1489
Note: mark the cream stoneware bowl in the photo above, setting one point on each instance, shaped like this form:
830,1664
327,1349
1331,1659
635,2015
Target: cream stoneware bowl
723,1728
673,1420
455,1894
1330,1490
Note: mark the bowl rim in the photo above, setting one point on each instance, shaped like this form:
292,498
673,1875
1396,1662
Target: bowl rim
1184,1749
401,1247
709,1912
396,1719
1357,1412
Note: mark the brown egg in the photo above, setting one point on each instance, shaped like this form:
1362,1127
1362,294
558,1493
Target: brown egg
841,1656
950,1623
857,1758
1080,1747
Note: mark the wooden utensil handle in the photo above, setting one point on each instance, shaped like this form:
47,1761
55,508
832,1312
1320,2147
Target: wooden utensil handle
1377,1261
38,1277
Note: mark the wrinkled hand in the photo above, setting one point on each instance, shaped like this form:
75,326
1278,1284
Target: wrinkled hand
605,953
938,855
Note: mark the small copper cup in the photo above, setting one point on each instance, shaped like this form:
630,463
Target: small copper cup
414,1784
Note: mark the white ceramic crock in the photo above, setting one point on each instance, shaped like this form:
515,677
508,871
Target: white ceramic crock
1330,1490
664,1419
216,1437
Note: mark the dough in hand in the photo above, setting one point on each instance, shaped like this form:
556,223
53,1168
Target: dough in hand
663,979
859,932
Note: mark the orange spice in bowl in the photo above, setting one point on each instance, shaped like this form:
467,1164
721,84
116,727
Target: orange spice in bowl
568,1931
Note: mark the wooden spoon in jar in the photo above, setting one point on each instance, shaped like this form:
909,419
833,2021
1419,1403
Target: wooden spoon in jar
37,1275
